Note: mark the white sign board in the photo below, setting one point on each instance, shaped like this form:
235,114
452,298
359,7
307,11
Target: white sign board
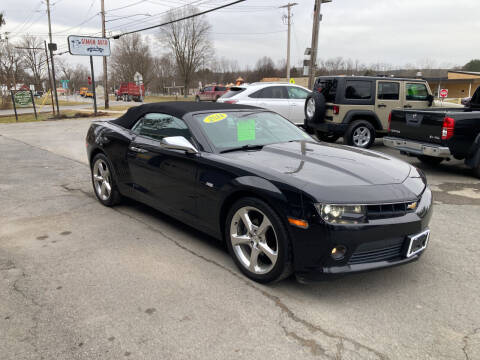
88,46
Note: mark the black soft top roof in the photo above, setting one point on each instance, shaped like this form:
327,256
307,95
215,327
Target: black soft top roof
173,108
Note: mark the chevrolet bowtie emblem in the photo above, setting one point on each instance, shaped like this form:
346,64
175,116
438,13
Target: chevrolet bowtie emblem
412,206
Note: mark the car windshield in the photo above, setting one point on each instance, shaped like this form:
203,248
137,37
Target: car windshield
247,129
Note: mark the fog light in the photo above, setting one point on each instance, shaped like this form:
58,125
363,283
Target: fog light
338,252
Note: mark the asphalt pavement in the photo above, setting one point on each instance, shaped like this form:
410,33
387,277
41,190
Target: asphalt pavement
82,281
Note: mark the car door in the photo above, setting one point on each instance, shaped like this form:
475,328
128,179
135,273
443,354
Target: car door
297,97
163,178
416,95
388,98
275,98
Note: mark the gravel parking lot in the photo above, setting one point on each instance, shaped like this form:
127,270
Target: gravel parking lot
82,281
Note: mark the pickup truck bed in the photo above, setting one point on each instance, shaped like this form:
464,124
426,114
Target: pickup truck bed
436,134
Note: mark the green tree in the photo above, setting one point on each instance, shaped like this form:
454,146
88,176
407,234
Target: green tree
472,65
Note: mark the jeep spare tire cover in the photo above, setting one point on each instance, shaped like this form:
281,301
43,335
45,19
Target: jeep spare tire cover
315,108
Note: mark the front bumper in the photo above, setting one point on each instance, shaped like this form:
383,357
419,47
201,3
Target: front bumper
417,148
375,245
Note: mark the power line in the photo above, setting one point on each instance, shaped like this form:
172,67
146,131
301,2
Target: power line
181,19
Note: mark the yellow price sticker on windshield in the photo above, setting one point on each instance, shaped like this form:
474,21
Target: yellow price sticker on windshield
214,118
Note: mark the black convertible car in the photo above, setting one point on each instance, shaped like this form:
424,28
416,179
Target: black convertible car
282,201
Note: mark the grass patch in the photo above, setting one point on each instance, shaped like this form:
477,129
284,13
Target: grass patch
66,114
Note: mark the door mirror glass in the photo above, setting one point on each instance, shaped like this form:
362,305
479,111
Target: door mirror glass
178,143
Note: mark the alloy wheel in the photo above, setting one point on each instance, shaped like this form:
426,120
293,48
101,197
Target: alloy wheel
102,179
254,240
361,136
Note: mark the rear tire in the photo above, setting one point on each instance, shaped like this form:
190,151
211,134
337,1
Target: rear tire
360,133
327,137
430,160
260,249
104,182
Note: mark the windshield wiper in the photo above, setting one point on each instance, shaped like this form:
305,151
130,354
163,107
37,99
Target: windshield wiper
244,147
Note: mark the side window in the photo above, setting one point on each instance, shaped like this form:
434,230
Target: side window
257,94
297,93
208,88
274,92
220,88
416,92
157,126
388,91
357,89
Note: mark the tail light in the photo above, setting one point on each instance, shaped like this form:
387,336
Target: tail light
336,109
231,101
389,121
447,128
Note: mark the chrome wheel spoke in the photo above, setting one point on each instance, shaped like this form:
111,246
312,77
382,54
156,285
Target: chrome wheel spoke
254,259
107,186
246,220
272,255
263,227
98,178
240,239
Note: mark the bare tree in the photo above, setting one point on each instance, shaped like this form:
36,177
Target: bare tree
2,20
189,42
33,57
131,54
265,68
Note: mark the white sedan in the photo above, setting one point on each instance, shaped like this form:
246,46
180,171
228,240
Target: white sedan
285,99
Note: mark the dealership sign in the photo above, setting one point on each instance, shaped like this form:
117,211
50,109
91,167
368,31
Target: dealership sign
88,46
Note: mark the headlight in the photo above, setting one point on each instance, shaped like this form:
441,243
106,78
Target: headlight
342,214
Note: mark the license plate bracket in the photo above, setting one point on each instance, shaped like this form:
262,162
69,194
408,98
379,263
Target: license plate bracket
417,243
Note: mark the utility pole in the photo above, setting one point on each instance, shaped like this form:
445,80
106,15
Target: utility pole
49,78
289,23
317,17
51,47
105,76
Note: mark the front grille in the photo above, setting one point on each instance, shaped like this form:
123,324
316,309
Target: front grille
384,211
372,252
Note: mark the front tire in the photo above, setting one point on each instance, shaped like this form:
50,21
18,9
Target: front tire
103,181
360,133
258,241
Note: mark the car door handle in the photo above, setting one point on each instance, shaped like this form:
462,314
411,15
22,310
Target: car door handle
382,105
407,106
137,149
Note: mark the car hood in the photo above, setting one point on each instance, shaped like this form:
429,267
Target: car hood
319,168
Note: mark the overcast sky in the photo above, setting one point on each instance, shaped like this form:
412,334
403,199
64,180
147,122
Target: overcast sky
439,32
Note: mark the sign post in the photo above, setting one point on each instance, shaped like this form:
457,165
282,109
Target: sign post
443,94
33,102
89,46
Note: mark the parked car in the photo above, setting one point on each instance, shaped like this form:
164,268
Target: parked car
285,99
88,93
129,91
357,107
281,201
210,93
437,134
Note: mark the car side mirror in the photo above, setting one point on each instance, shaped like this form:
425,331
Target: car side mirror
178,143
430,99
